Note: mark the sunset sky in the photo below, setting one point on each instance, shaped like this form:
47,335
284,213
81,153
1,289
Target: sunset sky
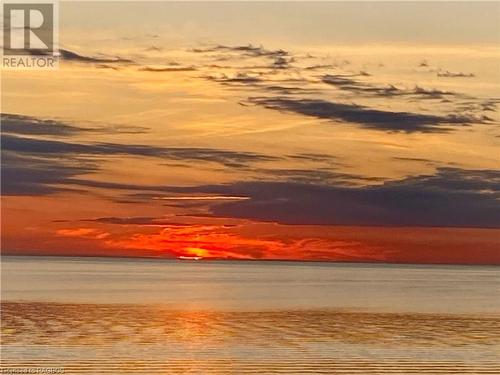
301,131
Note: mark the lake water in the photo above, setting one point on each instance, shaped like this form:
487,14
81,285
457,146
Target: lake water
103,315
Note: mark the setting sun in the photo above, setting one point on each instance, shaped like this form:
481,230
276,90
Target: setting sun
196,253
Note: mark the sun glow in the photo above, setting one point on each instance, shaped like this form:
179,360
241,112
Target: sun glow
195,252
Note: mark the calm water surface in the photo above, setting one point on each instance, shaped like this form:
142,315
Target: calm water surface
89,315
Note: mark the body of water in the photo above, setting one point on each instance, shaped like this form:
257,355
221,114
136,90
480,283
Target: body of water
103,315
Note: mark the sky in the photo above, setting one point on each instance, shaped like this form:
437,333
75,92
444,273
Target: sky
363,132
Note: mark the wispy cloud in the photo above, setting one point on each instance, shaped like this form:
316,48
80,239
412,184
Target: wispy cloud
248,50
258,71
27,174
202,198
426,200
167,69
34,166
138,220
352,84
448,74
370,118
15,124
90,233
439,199
76,57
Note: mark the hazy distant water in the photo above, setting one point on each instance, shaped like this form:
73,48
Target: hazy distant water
90,315
253,285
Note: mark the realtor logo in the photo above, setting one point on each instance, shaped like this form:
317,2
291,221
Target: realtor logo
30,35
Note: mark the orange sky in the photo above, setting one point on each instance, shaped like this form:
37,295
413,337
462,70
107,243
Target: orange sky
173,138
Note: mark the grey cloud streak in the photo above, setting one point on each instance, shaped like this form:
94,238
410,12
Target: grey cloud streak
15,124
365,116
350,83
452,197
35,166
